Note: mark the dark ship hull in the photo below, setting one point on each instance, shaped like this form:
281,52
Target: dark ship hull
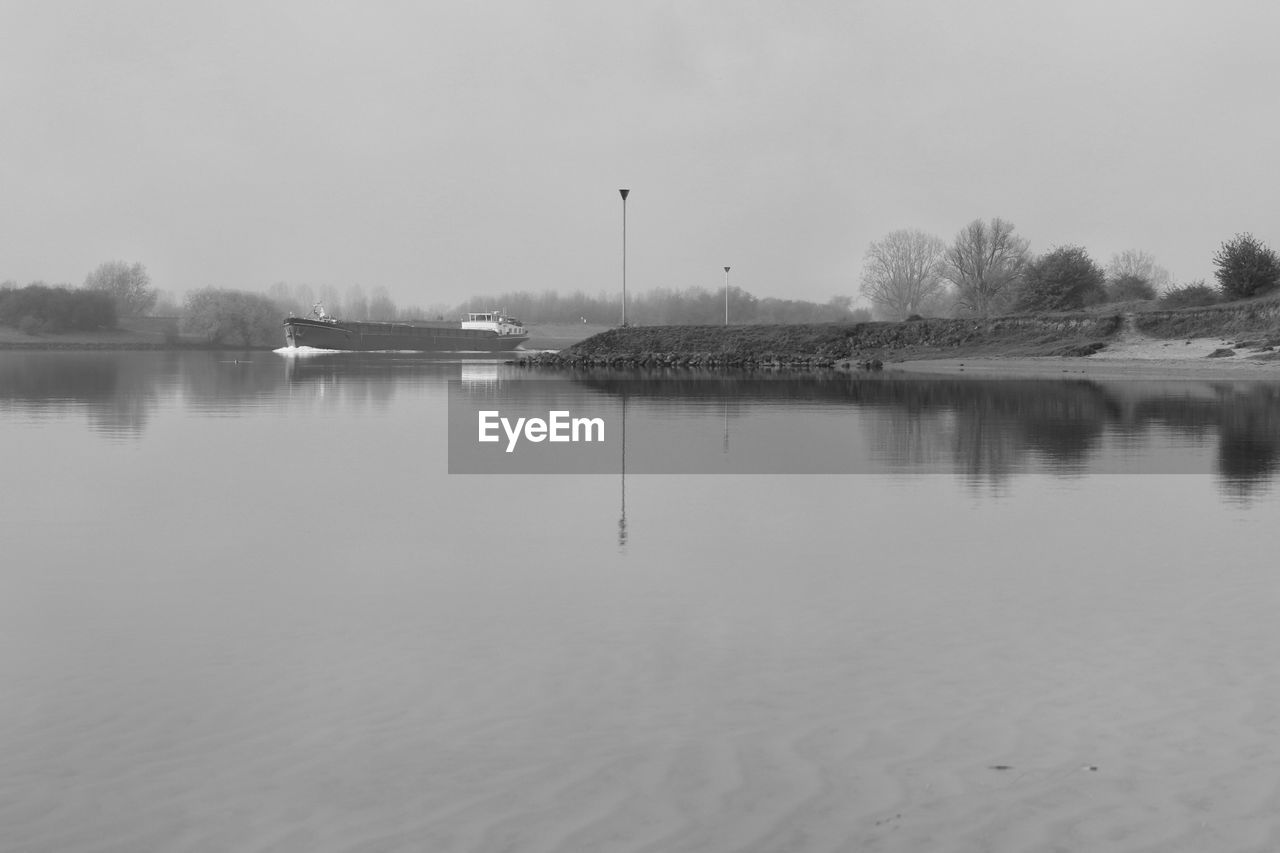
420,337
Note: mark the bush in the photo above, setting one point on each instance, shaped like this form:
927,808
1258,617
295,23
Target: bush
1130,288
1062,280
41,308
233,316
1197,294
1246,267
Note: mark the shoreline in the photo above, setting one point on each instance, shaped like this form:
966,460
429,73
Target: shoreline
1016,347
1133,356
1229,340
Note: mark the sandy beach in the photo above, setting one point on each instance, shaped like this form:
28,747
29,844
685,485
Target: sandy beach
1131,357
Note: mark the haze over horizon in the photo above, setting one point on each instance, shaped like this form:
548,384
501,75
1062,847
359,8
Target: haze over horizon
449,150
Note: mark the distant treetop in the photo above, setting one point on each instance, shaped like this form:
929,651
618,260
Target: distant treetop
129,285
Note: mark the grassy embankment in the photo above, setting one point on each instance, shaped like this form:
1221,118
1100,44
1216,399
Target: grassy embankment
1258,318
132,333
871,344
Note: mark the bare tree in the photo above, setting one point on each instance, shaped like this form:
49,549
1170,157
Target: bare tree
1137,264
381,307
330,297
902,272
986,263
356,303
128,285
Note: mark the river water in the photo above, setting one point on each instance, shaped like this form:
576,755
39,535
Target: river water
245,605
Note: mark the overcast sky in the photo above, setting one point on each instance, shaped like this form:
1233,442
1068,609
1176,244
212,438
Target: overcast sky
449,149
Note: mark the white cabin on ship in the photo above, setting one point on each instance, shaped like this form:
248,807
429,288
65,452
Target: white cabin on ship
493,321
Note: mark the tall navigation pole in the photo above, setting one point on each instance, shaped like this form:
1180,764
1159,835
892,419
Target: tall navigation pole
624,194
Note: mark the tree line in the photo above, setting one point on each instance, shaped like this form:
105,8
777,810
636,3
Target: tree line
988,269
667,307
115,289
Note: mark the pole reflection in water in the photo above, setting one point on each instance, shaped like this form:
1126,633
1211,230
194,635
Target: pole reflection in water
725,447
622,519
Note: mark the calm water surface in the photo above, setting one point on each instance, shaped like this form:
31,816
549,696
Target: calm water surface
244,606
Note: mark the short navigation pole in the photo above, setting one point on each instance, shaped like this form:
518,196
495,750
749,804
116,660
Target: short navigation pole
726,296
624,194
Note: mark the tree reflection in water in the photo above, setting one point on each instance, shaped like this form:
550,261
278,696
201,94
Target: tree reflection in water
990,429
985,429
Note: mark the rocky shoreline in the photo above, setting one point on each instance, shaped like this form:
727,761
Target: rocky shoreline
857,346
694,360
